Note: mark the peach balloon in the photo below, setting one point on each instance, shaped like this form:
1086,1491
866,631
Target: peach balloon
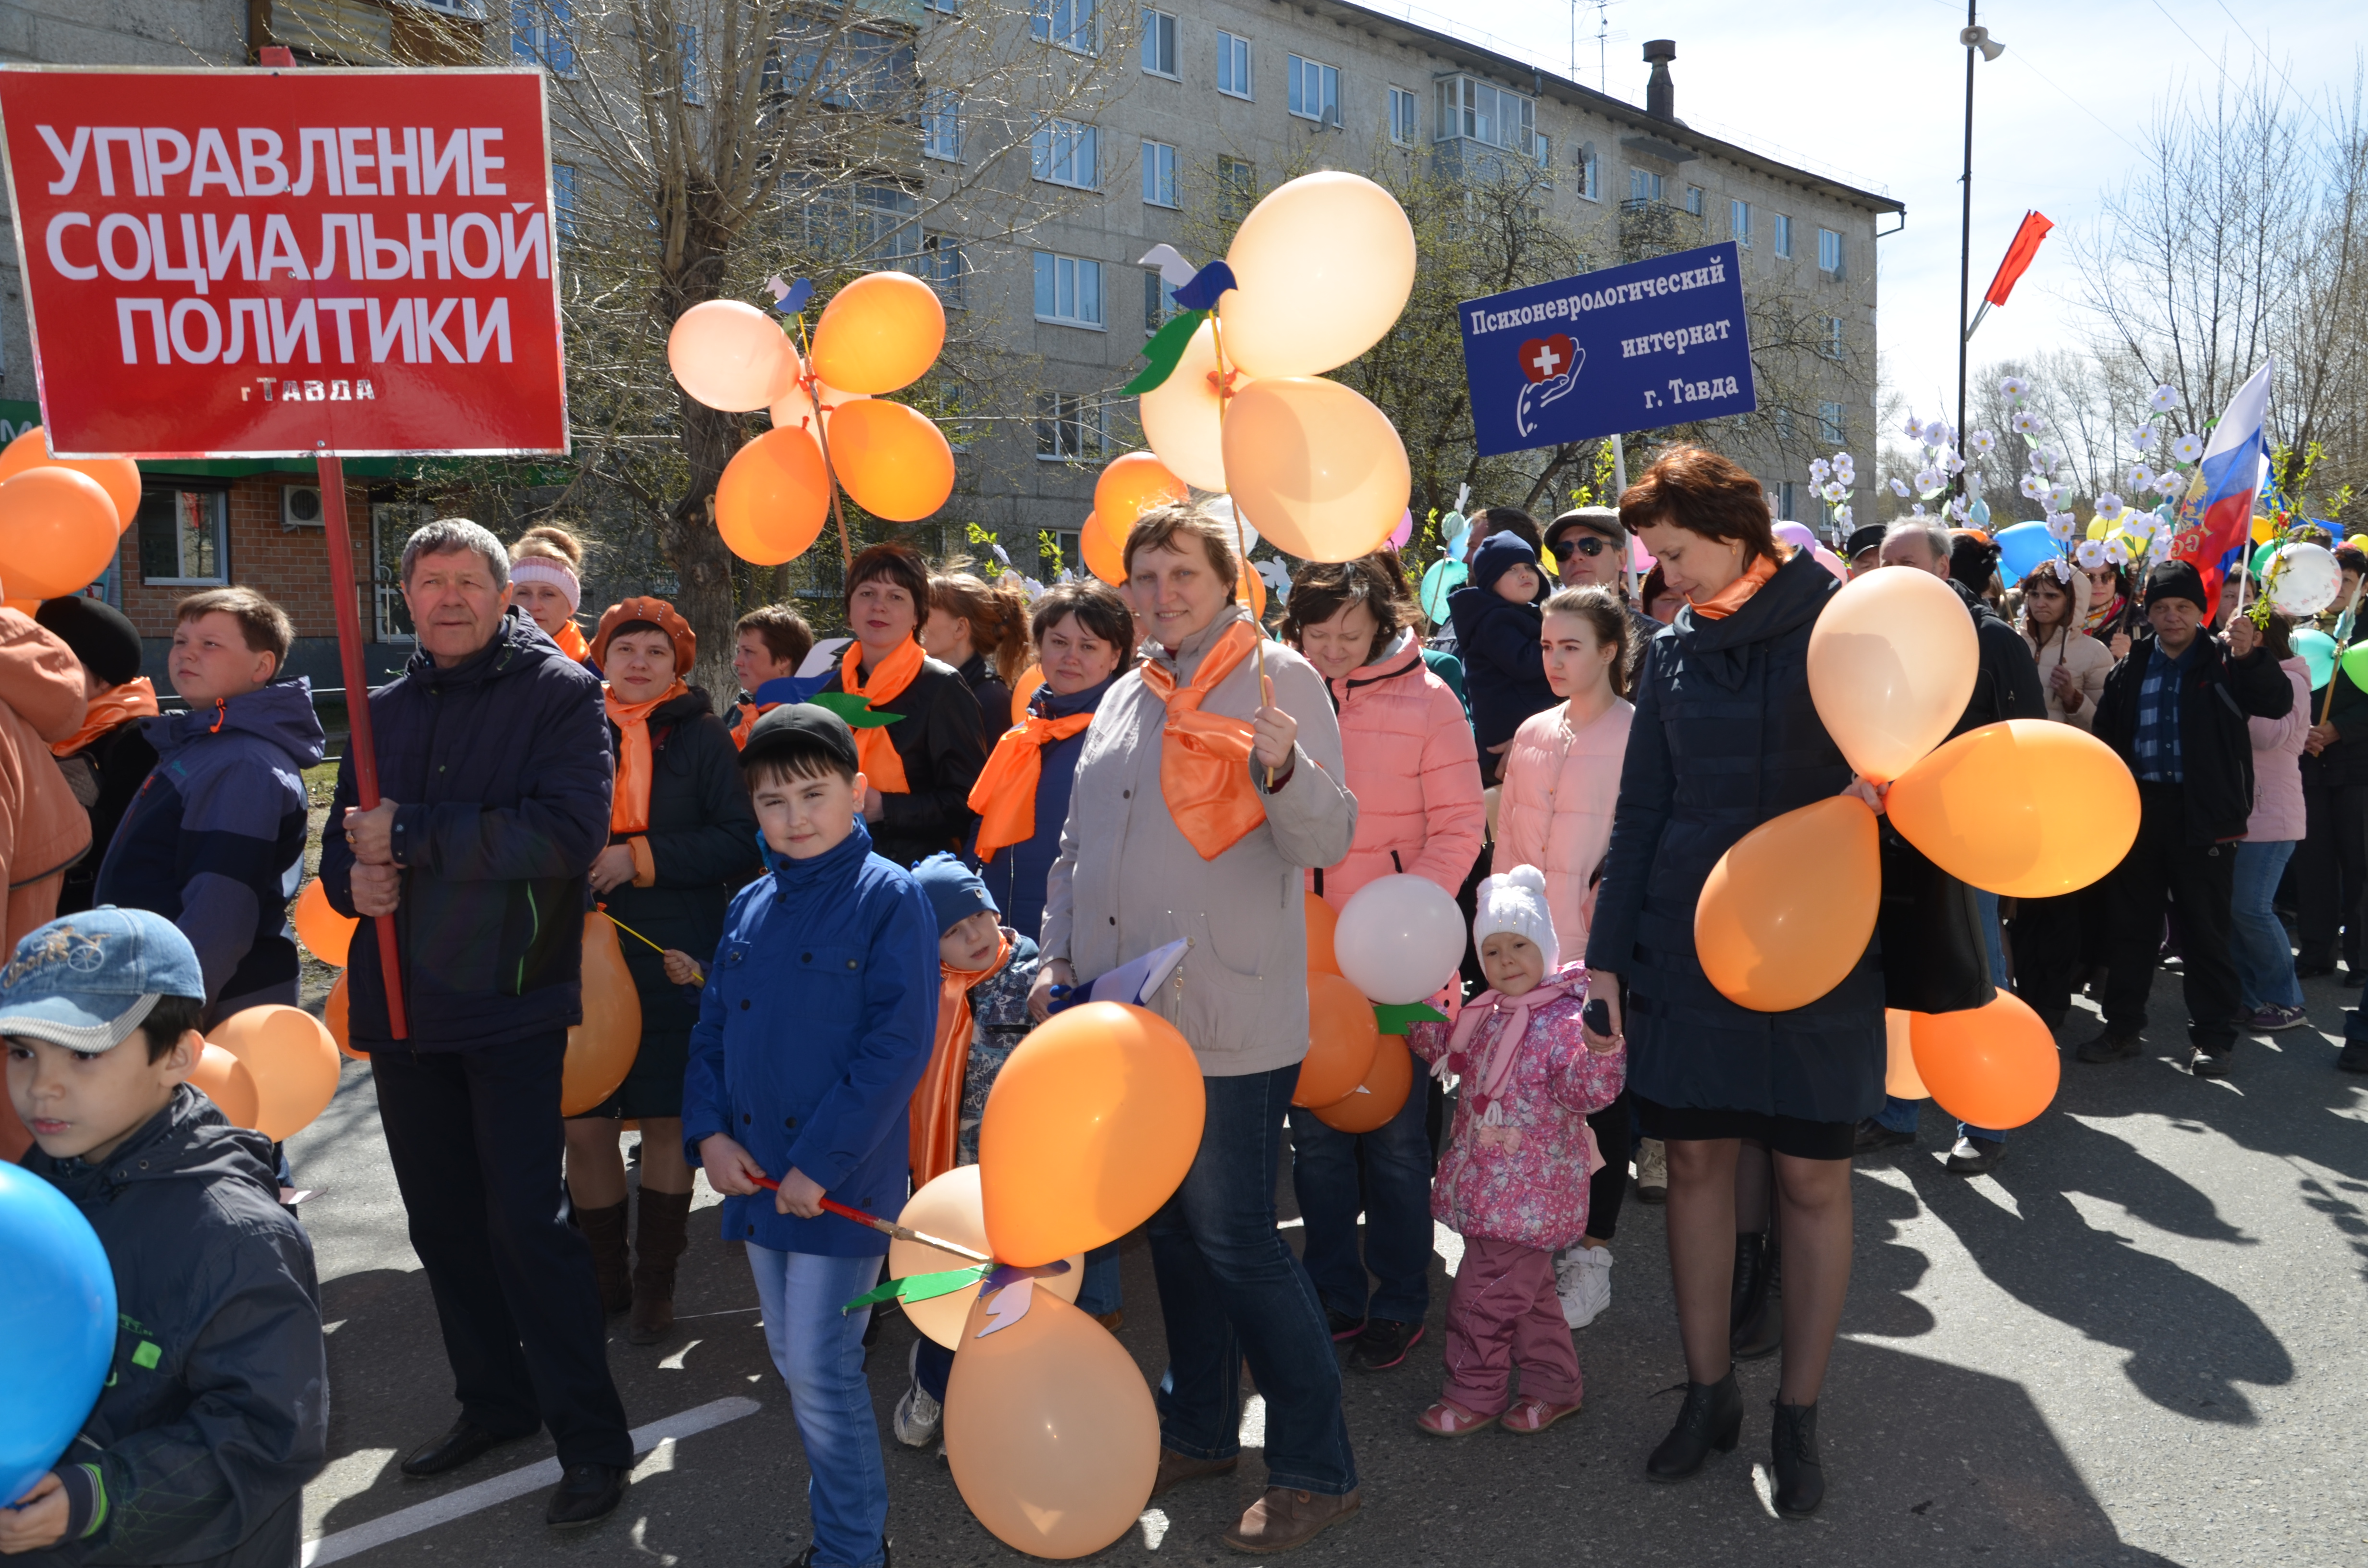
1050,1429
1787,912
773,498
1373,1102
119,477
1899,1079
1023,691
57,532
1993,1066
729,355
793,407
952,1207
337,1012
292,1060
326,934
891,459
1105,558
1342,1036
1181,415
879,333
225,1080
1323,267
1892,662
2028,808
1318,469
1323,920
1130,486
1089,1128
601,1049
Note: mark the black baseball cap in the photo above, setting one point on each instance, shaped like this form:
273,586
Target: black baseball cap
1863,540
796,727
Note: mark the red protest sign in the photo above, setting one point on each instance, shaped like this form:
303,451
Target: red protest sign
277,263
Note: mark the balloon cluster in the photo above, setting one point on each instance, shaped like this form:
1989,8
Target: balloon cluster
2026,808
1371,969
879,334
60,518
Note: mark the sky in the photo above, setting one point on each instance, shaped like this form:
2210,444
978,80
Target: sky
1875,93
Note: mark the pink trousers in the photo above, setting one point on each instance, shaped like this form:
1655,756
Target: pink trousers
1503,1313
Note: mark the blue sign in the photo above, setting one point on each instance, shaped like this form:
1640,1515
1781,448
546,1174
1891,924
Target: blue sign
1634,347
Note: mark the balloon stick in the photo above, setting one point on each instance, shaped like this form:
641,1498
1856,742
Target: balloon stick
885,1227
813,385
1241,540
697,978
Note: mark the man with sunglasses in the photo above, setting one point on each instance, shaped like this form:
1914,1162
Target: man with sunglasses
1590,549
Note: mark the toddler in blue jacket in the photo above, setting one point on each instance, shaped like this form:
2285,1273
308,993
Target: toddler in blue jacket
1497,624
818,1016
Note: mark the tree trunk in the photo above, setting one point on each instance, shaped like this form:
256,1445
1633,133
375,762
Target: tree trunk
702,564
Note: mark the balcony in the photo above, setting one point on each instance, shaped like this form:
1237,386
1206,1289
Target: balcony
376,32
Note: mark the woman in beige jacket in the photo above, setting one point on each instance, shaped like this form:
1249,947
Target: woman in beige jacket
2072,664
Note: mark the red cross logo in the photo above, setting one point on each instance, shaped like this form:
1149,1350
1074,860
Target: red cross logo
1543,358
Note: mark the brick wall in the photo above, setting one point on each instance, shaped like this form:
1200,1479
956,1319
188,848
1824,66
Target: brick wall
290,566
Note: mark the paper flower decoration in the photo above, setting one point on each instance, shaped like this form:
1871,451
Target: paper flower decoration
2013,386
1899,488
1842,517
2026,422
2117,550
2108,507
1917,510
2034,485
1984,443
2038,461
1914,428
1936,433
2090,553
2187,448
1928,480
2048,457
1958,510
1952,462
2062,526
2140,477
1844,469
2059,498
2142,438
1819,470
1834,493
2165,399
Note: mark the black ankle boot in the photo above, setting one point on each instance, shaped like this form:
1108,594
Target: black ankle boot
1711,1418
1751,1247
1793,1446
1761,1332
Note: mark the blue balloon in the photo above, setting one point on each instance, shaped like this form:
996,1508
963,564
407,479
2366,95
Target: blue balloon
2318,651
2022,547
1443,578
60,1338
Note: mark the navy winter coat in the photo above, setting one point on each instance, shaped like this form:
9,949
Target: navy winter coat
1725,737
942,743
501,770
214,839
1504,668
1016,876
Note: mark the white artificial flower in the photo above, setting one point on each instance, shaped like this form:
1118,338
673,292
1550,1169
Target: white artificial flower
1928,480
2034,485
2038,460
2108,507
1819,470
2142,437
1914,428
1959,510
2117,551
1937,433
2140,477
2026,422
1984,443
1835,492
2059,496
2013,386
2046,457
2170,483
1917,510
1952,462
2187,448
1842,517
2090,553
1845,469
1899,488
2062,526
2165,399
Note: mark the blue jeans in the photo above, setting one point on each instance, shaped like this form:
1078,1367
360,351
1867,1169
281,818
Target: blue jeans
1231,1289
1386,1173
2265,966
1103,1291
1901,1116
819,1350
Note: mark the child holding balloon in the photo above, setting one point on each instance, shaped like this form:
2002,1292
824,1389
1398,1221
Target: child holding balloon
1514,1183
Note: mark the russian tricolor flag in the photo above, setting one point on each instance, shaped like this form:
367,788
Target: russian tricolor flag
2232,479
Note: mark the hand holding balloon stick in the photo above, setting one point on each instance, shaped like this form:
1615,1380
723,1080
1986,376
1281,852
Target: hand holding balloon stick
680,967
888,1228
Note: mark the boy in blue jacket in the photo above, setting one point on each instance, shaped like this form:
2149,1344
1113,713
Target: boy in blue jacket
818,1017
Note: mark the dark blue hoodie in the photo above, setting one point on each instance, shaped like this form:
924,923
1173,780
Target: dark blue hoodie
214,840
1504,668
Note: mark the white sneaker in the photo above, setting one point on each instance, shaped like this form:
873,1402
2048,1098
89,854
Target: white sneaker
1652,1171
1583,1283
918,1415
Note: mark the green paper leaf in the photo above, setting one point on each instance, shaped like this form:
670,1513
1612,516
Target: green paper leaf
859,713
1166,348
1393,1017
920,1286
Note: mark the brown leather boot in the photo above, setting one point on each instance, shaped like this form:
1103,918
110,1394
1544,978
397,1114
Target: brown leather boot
605,1229
1176,1469
1285,1518
657,1242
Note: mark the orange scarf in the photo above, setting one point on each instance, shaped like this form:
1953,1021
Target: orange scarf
883,768
571,643
116,706
1004,795
629,807
1735,594
1203,758
936,1121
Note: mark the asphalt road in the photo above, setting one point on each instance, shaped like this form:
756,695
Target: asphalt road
2138,1341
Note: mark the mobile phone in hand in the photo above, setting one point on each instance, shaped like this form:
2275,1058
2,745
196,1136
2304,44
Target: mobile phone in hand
1597,1016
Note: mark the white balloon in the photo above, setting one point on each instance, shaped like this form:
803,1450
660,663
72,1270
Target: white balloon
1222,508
729,355
1400,939
2307,578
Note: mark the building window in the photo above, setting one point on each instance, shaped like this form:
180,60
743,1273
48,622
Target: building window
1402,117
1829,424
1738,222
941,125
1066,545
1474,110
1833,337
1830,252
938,263
1590,174
1788,500
1069,427
539,34
1643,185
562,196
685,45
1159,174
1075,25
1237,185
1232,66
1158,302
1068,289
1783,235
184,535
1066,153
1159,44
1314,90
1694,199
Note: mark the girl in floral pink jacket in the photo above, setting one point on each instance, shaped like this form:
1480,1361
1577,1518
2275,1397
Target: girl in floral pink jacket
1514,1183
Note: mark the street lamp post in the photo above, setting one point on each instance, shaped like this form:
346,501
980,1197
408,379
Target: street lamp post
1976,40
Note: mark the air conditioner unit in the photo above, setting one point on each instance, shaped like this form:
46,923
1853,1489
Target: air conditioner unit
300,507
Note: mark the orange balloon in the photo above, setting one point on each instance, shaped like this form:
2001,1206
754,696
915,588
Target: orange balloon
2028,808
225,1081
1103,558
1892,662
952,1208
1023,690
25,606
1388,1082
57,532
1322,921
1994,1067
119,477
773,497
601,1049
879,333
336,1013
292,1060
1250,588
1319,470
1089,1128
1130,486
326,934
1899,1079
891,459
1050,1429
1787,912
1342,1036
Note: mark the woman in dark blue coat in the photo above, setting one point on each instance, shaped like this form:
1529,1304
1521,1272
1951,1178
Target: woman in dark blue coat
1724,738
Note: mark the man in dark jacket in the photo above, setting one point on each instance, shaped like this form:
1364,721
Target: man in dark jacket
2175,710
494,756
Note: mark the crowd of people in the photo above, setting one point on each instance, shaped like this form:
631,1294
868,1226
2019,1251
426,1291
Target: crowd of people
849,928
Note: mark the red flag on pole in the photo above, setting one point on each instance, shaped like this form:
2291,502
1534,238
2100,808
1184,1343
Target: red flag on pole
2018,257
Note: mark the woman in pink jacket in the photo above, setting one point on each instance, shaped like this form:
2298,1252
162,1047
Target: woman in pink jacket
2268,990
1409,760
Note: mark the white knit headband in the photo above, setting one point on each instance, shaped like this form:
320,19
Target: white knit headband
542,569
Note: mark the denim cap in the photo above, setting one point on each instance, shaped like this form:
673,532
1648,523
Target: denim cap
86,981
954,890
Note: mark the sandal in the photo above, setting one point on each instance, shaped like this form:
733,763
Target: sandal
1449,1419
1531,1414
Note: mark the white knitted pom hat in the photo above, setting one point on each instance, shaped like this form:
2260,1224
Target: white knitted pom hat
1515,902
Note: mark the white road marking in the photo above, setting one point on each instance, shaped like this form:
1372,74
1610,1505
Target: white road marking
502,1488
